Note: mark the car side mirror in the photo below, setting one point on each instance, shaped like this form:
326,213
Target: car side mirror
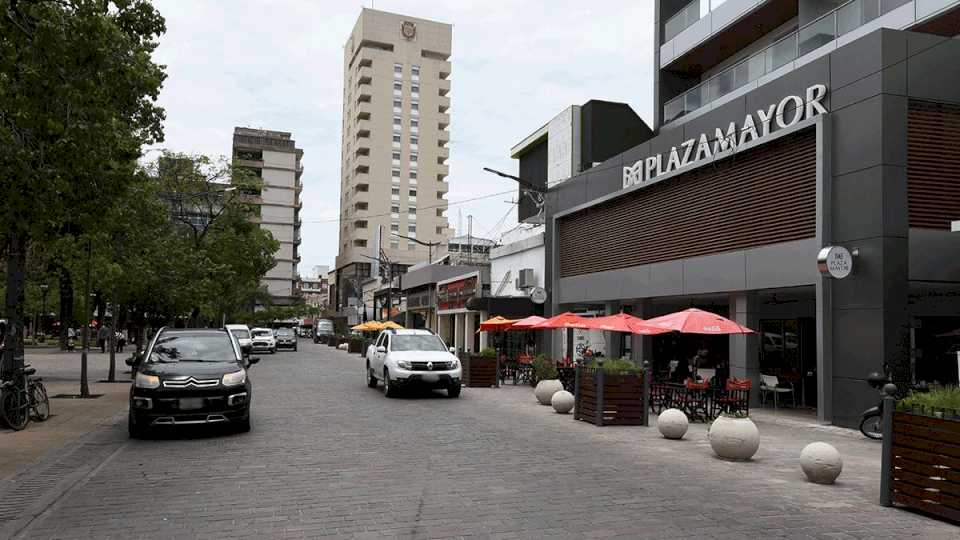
453,350
381,348
253,360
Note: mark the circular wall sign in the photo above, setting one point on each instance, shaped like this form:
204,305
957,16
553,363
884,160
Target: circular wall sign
408,29
538,295
835,261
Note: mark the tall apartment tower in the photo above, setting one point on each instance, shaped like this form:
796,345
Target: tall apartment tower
396,84
274,157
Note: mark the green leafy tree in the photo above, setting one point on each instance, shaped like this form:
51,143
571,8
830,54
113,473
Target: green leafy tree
225,253
78,91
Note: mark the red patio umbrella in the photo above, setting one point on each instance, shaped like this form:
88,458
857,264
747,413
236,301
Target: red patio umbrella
564,320
527,323
623,322
697,321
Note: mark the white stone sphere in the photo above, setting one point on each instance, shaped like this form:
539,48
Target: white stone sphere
546,389
734,438
562,401
672,424
821,462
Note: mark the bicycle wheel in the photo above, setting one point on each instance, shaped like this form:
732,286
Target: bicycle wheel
40,402
14,410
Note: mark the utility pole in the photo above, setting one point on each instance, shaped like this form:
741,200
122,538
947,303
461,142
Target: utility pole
470,238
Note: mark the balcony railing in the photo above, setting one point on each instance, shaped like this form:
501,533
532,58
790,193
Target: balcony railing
807,38
690,14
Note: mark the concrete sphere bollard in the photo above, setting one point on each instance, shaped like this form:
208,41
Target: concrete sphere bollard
734,438
821,462
546,389
562,401
672,424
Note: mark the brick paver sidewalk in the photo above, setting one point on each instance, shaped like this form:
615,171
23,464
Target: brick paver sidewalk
70,418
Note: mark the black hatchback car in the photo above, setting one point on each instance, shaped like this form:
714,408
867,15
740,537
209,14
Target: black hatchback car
190,377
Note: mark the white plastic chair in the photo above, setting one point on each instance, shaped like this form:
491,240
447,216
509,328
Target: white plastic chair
770,383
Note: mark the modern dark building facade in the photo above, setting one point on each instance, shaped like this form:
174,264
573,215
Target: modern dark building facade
778,149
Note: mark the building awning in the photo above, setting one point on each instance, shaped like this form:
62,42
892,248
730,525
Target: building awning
509,307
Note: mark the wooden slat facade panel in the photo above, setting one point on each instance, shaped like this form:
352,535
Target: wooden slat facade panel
763,196
933,164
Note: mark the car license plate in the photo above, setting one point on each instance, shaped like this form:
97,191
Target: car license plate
431,377
191,403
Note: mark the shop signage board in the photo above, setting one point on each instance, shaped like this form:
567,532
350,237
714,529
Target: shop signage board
538,295
453,294
835,262
789,111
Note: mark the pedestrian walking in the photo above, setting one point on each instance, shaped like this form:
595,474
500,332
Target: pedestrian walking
102,336
121,340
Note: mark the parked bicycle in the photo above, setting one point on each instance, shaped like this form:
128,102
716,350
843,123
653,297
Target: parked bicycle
22,398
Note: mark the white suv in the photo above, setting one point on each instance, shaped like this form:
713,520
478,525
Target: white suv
263,340
402,358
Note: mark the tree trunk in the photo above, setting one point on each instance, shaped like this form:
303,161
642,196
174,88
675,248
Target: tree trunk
115,319
84,386
14,301
66,305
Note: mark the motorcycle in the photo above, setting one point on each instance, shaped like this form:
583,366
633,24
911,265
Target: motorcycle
871,421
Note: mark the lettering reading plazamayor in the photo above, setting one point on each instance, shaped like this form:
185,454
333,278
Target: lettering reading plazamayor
694,150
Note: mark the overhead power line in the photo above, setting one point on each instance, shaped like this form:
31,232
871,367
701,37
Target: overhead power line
449,203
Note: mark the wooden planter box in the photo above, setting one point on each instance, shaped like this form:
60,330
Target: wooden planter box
479,372
355,345
925,472
605,399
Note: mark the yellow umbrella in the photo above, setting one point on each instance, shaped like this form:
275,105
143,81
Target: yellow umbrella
369,326
390,325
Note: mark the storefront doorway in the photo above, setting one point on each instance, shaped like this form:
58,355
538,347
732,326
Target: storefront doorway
788,350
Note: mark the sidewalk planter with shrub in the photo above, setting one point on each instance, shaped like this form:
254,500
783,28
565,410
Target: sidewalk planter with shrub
480,370
355,345
924,453
734,436
611,394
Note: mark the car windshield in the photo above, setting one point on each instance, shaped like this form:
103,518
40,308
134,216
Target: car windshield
240,333
192,348
261,333
325,325
415,342
284,332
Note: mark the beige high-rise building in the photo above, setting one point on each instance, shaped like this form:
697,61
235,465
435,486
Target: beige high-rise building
396,84
274,157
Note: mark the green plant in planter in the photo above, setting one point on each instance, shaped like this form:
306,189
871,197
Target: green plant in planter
929,402
617,367
543,368
489,353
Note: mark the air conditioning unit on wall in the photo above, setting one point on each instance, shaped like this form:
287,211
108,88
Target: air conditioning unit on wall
526,279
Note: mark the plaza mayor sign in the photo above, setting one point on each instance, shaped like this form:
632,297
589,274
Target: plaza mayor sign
790,110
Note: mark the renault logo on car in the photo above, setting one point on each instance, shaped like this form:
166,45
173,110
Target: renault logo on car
429,366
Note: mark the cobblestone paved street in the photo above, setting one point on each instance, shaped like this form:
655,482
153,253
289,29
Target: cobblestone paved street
328,456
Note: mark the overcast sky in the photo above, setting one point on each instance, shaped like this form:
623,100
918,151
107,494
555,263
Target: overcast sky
277,64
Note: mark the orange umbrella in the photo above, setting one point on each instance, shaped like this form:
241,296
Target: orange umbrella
528,323
564,320
697,321
496,323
